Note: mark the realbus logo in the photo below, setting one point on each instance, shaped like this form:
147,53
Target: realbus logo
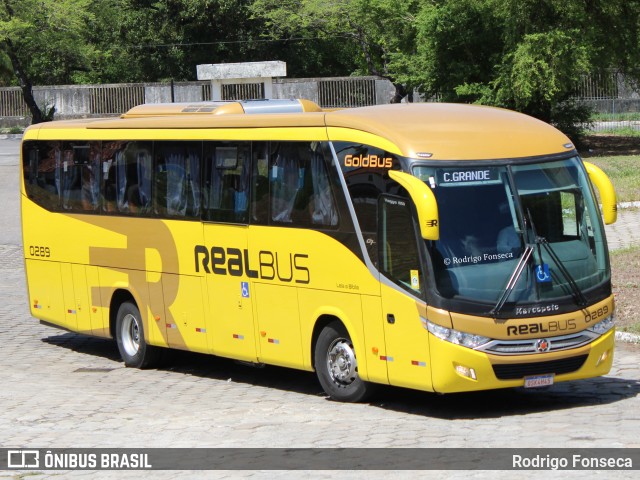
551,327
367,161
270,265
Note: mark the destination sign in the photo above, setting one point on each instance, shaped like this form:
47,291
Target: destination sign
467,175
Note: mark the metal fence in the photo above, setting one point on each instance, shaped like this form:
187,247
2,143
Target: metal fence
115,99
599,86
12,103
616,100
346,92
242,91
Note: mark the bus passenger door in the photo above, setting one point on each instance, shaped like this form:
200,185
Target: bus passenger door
225,257
231,317
407,343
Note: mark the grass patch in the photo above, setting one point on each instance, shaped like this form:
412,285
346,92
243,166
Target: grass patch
616,117
625,267
624,172
12,130
621,131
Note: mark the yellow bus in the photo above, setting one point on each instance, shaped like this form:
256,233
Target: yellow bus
445,248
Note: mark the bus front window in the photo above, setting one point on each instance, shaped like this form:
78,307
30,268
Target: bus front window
493,217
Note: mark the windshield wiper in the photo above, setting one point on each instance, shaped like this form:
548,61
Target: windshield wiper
511,284
517,272
578,296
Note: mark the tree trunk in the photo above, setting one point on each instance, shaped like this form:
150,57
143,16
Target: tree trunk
25,84
401,92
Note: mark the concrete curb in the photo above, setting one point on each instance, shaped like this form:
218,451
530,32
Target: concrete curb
623,205
627,337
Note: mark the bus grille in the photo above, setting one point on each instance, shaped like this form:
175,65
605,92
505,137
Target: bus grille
525,347
557,367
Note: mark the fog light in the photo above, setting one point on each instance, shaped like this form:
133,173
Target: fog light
466,372
603,357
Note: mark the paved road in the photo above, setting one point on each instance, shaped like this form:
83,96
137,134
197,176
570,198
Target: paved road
60,390
9,196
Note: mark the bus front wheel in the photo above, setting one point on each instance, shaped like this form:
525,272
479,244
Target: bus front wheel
130,338
337,367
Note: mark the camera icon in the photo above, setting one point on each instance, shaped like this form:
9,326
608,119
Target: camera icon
23,459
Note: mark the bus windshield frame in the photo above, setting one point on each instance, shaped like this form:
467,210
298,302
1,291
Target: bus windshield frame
517,239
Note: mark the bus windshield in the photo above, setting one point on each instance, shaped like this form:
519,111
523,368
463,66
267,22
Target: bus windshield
530,230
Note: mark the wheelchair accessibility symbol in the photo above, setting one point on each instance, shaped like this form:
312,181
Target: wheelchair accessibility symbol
542,273
244,288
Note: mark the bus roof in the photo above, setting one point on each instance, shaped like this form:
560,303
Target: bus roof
455,131
438,131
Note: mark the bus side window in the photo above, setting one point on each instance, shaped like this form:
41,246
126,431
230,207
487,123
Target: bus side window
80,176
108,181
260,183
285,178
41,172
177,179
321,204
133,178
227,186
398,251
91,178
301,191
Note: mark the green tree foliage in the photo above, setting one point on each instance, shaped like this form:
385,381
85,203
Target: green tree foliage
6,70
159,40
371,30
44,41
527,55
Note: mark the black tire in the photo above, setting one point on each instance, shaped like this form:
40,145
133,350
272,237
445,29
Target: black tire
336,365
134,350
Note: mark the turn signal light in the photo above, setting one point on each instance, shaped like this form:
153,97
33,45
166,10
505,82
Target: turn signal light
603,357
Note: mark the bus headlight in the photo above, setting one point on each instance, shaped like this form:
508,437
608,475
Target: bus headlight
468,340
603,326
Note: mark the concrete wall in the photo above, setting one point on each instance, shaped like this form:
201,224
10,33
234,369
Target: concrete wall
68,100
79,101
74,101
296,88
616,105
182,92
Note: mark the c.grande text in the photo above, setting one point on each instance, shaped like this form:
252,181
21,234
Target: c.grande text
288,267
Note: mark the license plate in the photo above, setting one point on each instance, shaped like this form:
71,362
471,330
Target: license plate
538,381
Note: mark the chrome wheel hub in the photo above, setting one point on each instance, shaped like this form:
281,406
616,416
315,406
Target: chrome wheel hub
130,334
341,362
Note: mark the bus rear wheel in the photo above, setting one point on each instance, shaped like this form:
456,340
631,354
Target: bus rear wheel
134,350
337,367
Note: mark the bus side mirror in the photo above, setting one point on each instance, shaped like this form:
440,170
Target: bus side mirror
607,192
425,203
